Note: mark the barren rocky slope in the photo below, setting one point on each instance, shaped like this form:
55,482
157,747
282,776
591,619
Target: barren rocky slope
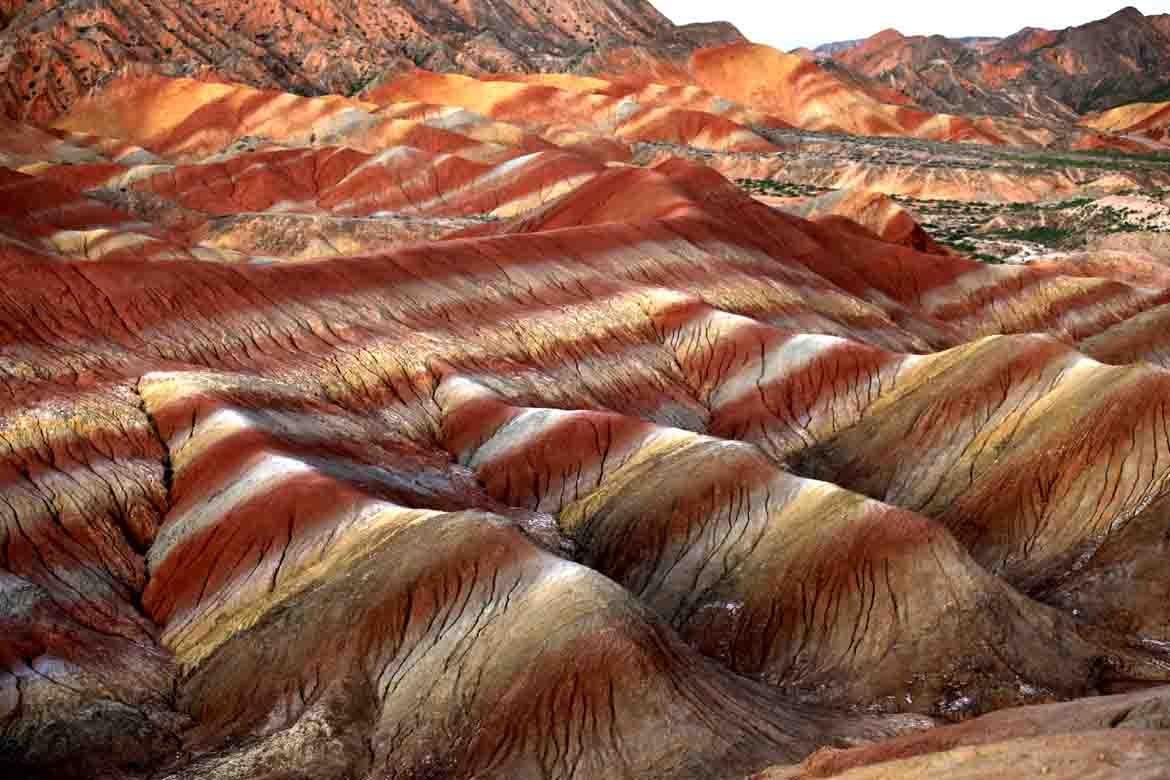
1042,74
53,52
422,435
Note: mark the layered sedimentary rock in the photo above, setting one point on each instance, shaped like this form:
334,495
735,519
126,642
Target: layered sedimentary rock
972,483
226,561
810,96
649,113
592,470
430,623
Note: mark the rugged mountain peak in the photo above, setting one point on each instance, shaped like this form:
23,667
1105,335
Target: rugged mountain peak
886,36
1128,13
710,33
1047,74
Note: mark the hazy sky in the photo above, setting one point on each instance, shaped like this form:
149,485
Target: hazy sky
788,25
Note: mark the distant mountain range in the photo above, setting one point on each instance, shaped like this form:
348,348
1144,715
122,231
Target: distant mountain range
837,47
1035,73
52,53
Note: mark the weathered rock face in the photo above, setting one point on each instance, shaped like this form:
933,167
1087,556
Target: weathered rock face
420,435
1044,74
52,53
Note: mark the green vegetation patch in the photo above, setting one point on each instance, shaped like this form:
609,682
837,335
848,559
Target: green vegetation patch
783,189
1046,235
